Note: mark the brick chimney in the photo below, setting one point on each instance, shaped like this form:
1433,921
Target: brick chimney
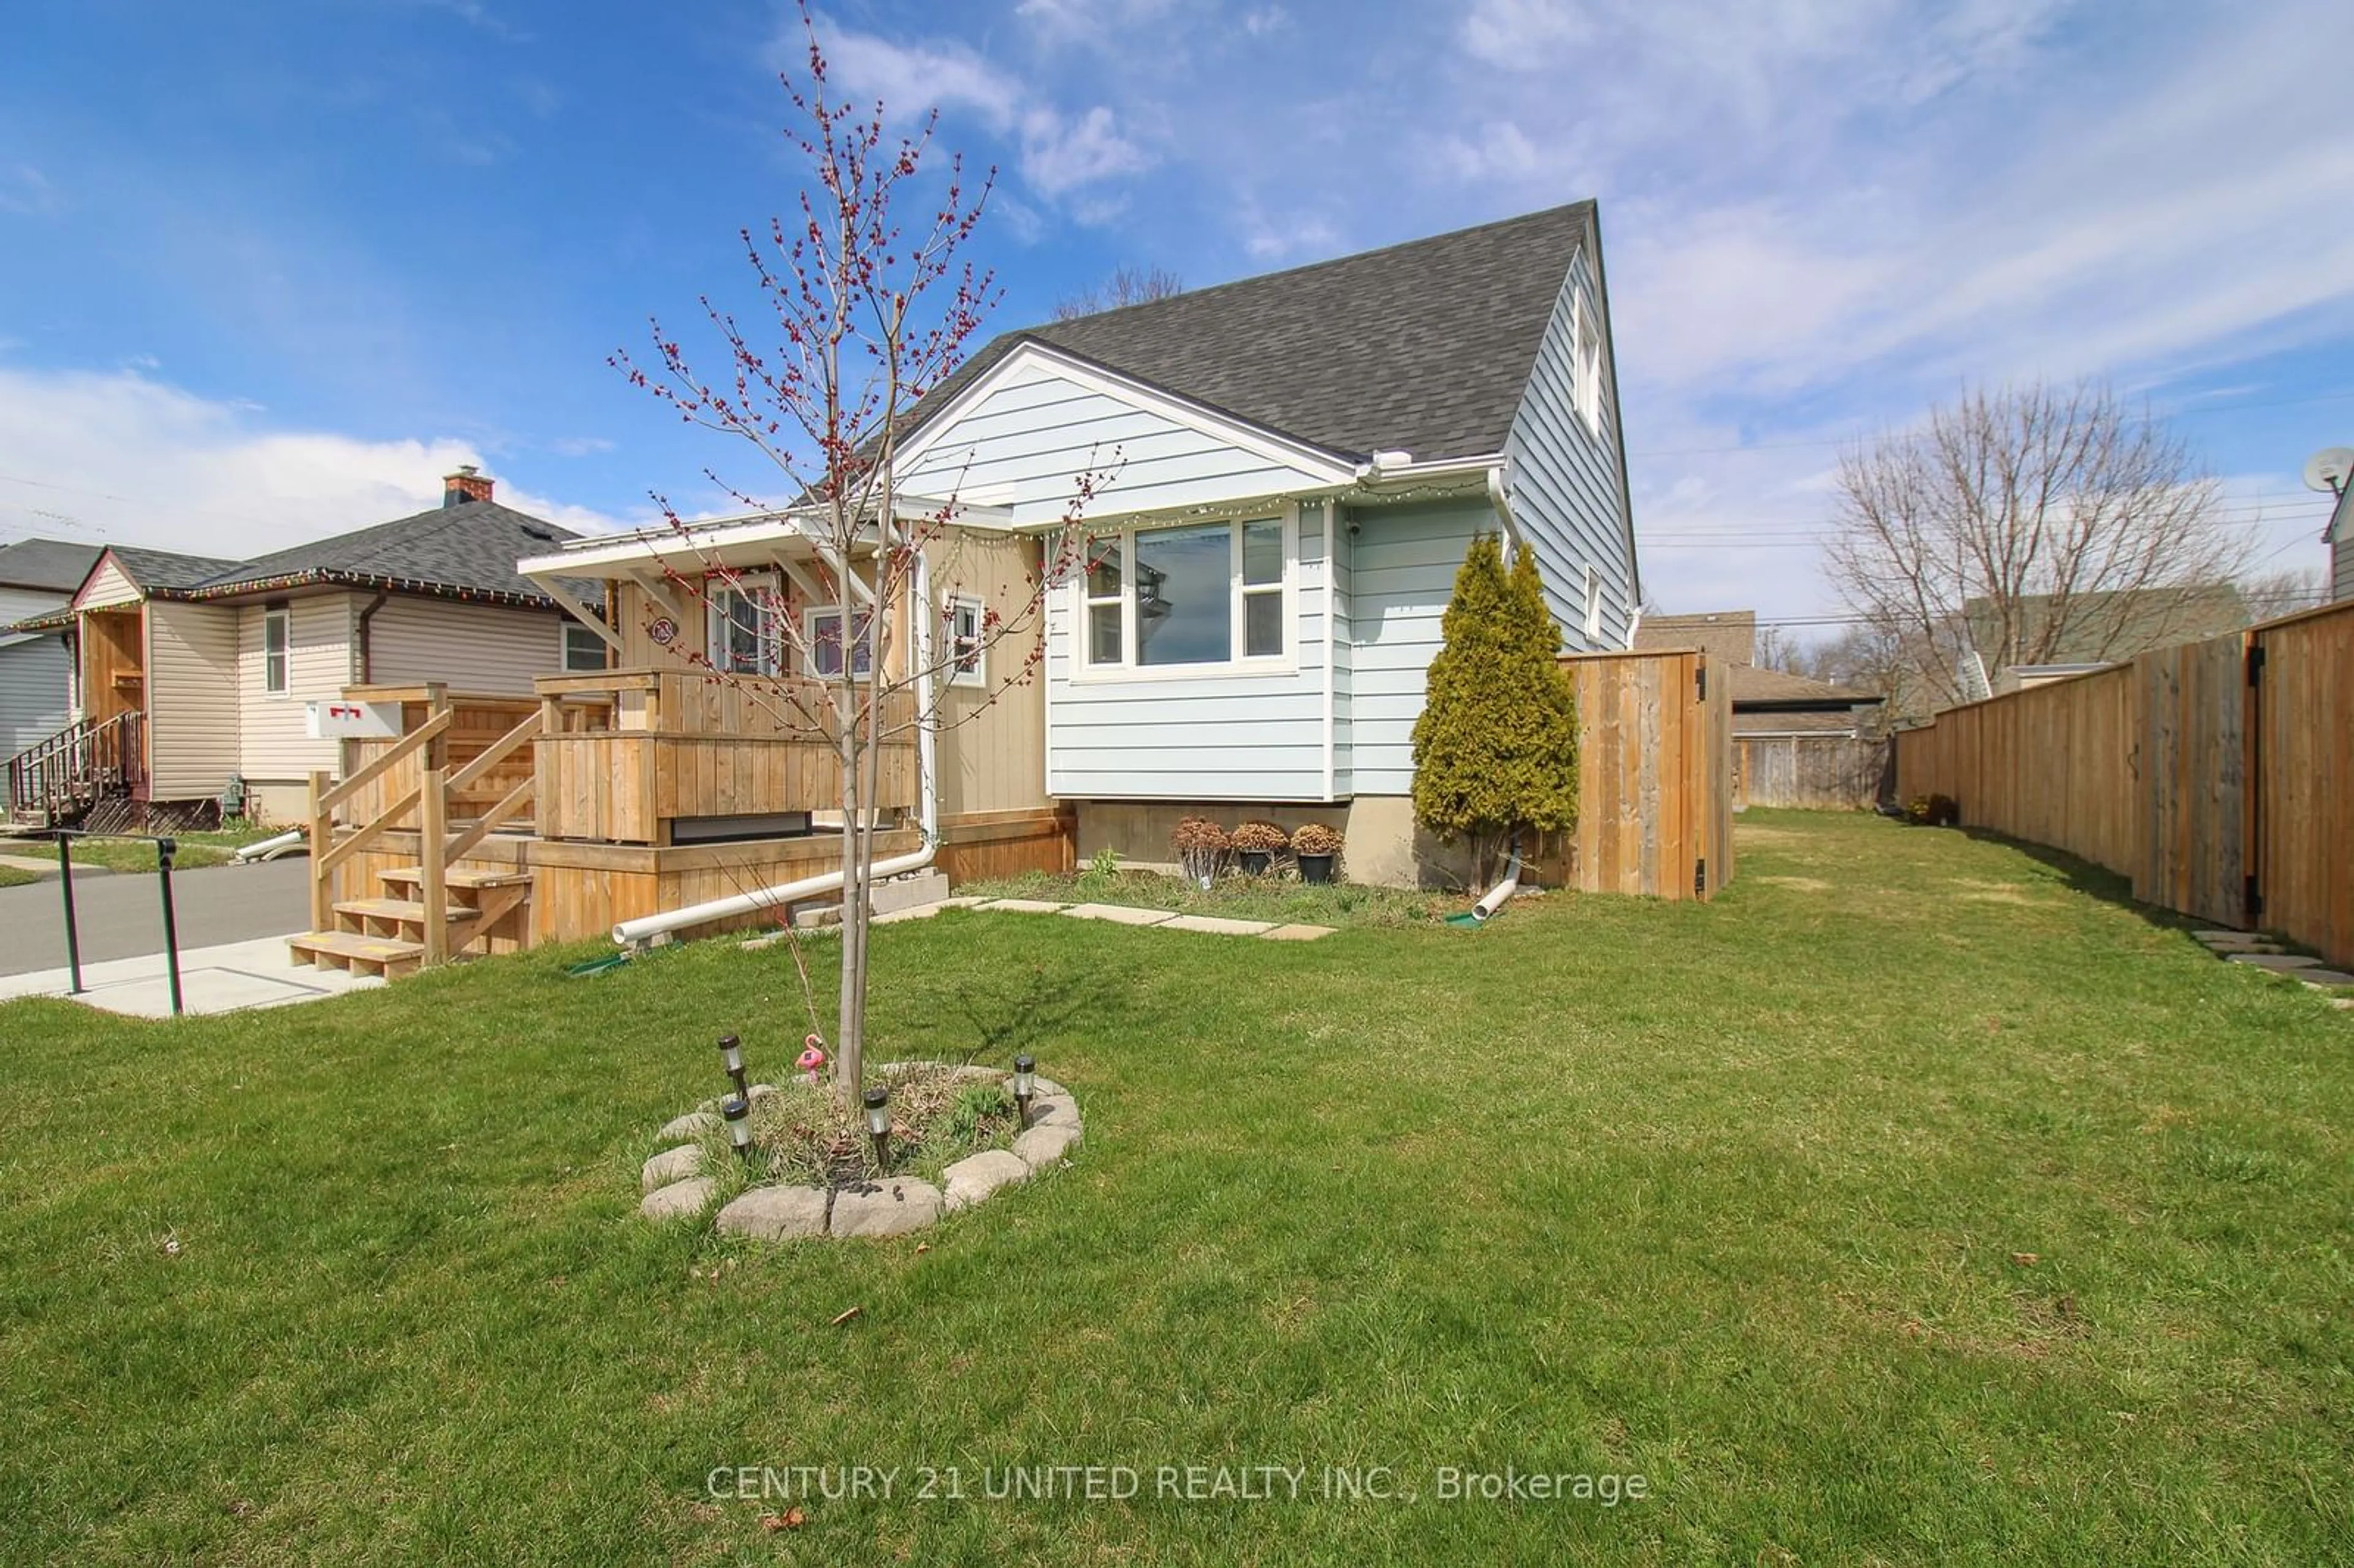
466,484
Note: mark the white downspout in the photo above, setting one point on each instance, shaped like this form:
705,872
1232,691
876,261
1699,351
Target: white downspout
637,933
1496,895
270,849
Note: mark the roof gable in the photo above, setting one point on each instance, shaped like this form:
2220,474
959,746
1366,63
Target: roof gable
1423,347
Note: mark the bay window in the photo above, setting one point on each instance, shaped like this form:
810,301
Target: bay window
1189,595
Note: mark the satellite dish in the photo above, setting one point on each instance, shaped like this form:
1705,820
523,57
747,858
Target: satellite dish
2329,470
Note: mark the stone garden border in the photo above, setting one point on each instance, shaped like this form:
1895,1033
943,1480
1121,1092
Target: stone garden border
675,1187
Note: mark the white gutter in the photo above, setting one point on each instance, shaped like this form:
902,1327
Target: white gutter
1503,502
637,933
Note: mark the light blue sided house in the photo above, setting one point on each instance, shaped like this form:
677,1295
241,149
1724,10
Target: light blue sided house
1298,461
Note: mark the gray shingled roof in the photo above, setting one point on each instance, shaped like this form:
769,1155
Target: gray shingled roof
57,566
1726,635
1423,347
470,547
154,569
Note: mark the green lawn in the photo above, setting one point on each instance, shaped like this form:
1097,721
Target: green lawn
1909,1204
195,850
12,878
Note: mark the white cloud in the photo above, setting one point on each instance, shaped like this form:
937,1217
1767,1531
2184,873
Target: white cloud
1267,19
1059,151
116,458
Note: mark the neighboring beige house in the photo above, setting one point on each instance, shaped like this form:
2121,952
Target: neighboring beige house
196,676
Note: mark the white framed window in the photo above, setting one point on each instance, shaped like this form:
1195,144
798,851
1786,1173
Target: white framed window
1593,605
1586,353
583,649
743,634
968,621
277,649
821,643
1189,597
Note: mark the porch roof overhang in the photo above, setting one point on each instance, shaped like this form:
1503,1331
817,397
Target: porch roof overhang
730,543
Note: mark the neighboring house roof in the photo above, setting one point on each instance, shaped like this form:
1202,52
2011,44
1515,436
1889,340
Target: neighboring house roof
1760,691
162,570
2105,628
1423,347
1729,636
466,549
1845,721
54,565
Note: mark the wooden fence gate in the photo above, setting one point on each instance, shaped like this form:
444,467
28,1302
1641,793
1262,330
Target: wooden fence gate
2219,776
1655,778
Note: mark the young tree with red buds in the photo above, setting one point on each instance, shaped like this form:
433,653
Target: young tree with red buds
871,313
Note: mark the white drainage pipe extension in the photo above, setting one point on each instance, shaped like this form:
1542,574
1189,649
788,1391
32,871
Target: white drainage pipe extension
636,933
270,849
1494,901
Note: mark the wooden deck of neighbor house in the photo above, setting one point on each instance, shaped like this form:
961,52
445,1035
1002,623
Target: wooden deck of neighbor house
487,824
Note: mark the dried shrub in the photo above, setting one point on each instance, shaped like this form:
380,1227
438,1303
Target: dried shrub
1201,846
1260,838
1315,838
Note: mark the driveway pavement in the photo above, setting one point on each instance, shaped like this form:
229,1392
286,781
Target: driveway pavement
121,916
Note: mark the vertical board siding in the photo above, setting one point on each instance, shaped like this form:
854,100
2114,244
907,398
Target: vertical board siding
472,647
992,752
2177,771
273,740
1023,445
1401,567
1566,494
1216,737
36,677
192,708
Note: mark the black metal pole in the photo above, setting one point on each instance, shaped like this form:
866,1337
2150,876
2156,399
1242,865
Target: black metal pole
165,849
73,930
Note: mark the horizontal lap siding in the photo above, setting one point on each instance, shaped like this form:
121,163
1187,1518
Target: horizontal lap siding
1402,573
110,584
1566,496
467,647
1023,445
273,742
192,708
34,690
1237,737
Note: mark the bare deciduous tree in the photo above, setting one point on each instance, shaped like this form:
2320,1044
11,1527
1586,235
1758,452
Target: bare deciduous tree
2011,521
1126,286
2271,595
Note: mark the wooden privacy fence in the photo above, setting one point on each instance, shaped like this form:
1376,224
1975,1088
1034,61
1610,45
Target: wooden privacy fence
2219,776
1655,778
1811,772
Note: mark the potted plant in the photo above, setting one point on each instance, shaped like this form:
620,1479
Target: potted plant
1314,845
1201,846
1258,844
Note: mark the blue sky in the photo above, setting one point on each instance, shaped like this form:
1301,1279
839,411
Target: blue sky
266,270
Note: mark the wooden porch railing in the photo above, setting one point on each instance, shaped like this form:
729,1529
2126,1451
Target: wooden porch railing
410,782
79,764
624,753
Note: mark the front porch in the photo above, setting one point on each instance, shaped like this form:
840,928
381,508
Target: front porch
485,824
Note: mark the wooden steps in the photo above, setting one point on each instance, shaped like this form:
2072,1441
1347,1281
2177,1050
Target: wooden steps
385,935
360,955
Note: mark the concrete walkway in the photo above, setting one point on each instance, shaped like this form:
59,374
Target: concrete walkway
1120,915
223,979
121,915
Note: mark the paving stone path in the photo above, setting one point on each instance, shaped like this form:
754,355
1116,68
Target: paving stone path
2254,949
